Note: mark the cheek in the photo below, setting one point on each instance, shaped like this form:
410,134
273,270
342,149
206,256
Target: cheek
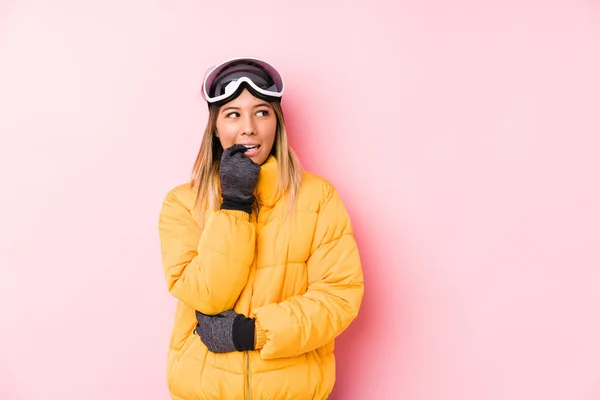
270,129
225,135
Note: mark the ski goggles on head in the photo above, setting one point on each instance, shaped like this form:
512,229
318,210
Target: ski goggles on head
227,80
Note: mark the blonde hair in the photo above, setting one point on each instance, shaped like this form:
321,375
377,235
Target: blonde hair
205,173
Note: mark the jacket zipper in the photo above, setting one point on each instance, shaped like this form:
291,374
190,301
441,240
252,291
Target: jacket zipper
247,374
247,377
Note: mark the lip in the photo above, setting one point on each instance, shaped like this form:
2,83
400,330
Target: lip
253,152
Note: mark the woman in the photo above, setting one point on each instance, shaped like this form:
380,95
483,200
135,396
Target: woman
260,254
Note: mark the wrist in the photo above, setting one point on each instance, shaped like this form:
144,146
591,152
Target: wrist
243,333
237,204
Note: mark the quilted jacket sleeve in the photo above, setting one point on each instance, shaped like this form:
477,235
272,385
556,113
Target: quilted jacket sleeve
206,269
335,289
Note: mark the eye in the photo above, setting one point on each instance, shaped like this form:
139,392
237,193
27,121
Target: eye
262,113
232,115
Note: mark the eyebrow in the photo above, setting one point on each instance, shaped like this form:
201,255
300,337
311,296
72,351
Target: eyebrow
229,108
237,108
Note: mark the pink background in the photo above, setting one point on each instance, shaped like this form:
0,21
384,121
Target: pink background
464,137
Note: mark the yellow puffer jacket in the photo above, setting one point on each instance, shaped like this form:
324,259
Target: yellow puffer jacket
298,274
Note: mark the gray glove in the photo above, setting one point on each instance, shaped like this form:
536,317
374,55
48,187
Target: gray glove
238,176
226,332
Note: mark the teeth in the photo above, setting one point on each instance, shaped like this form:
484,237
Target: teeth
250,147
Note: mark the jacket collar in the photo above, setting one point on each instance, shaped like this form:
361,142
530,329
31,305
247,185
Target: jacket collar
266,184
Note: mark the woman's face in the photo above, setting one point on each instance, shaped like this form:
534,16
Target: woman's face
250,121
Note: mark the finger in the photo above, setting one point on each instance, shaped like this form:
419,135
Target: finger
250,162
236,148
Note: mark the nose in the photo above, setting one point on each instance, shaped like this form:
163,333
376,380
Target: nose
248,127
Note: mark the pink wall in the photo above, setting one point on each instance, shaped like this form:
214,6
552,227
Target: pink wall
463,137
